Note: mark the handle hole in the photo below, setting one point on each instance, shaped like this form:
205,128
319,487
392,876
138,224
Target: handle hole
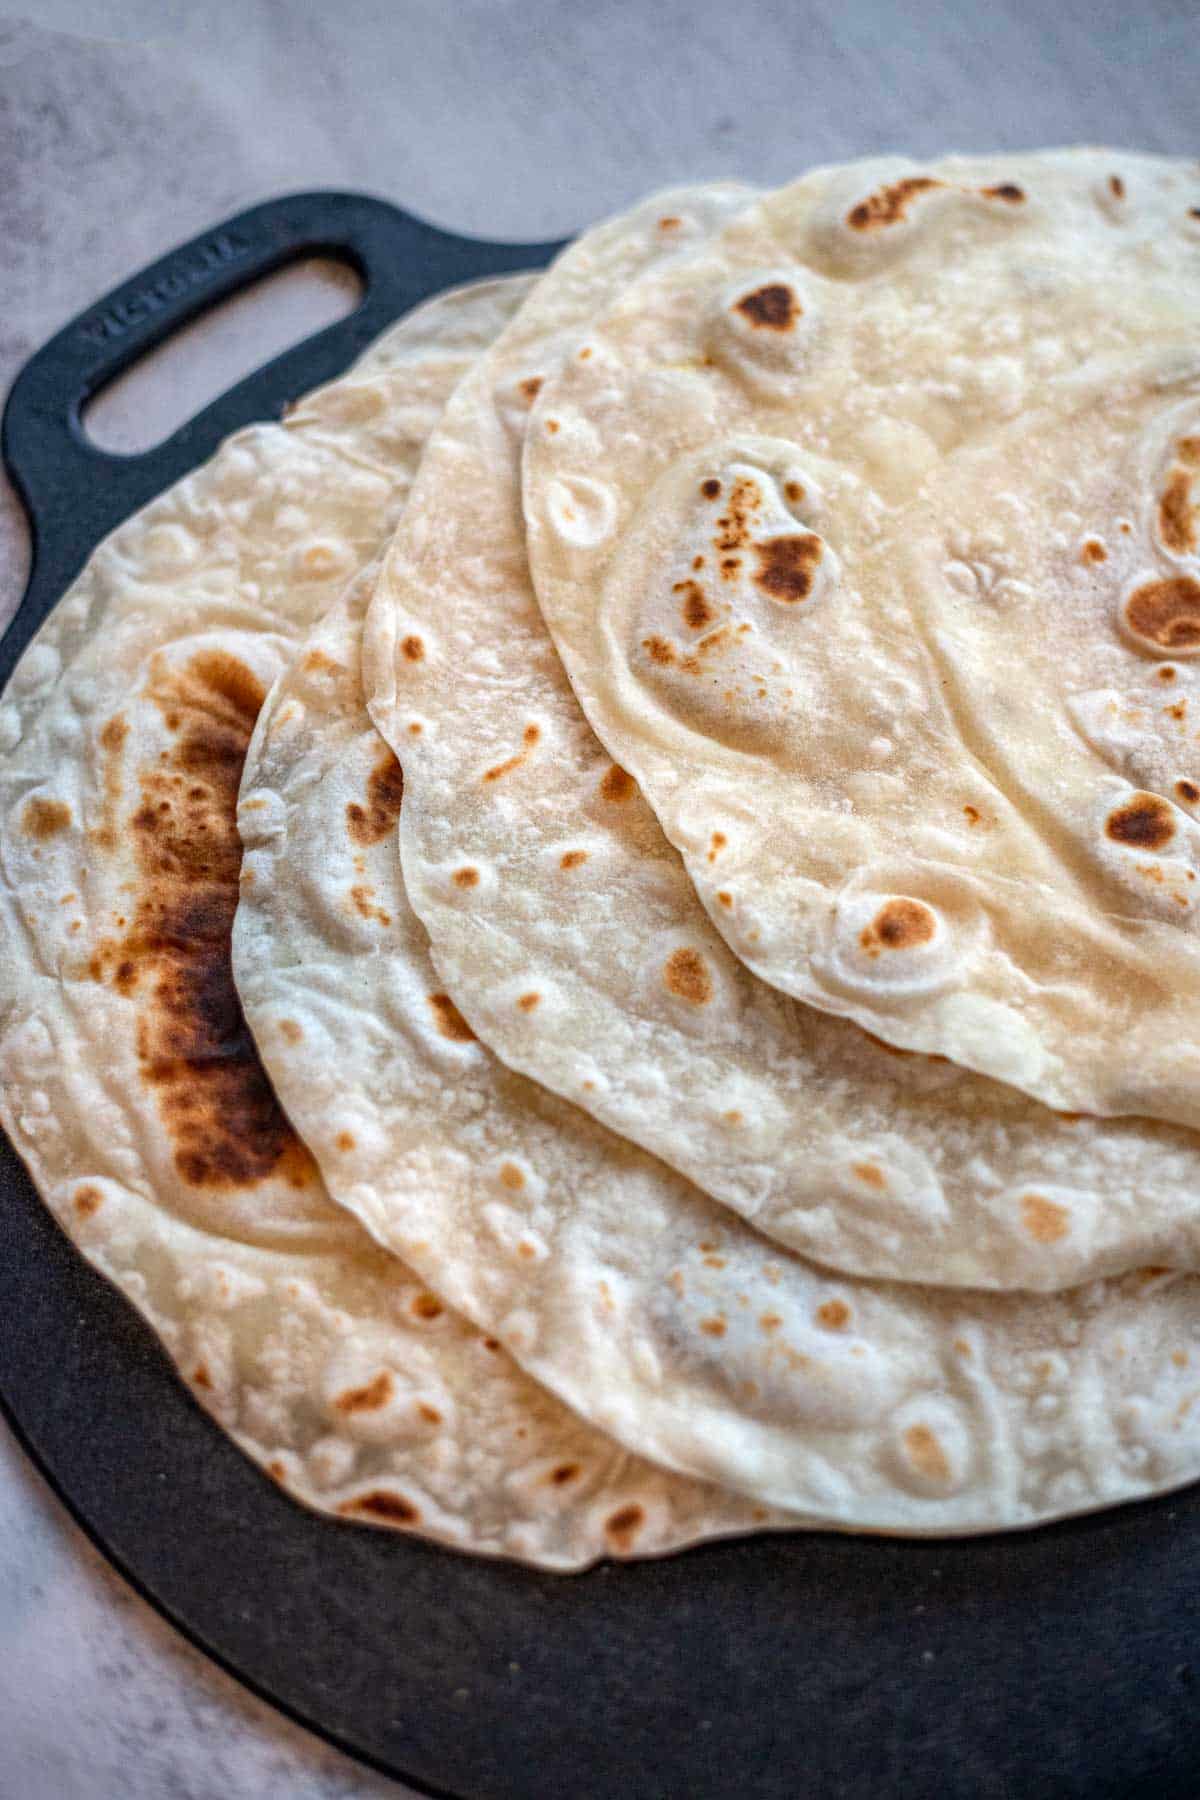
151,399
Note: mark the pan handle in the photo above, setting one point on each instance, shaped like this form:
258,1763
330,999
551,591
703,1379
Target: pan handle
75,492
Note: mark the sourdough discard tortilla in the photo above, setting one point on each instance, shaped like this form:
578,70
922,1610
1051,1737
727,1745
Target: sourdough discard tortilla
579,951
130,1086
868,697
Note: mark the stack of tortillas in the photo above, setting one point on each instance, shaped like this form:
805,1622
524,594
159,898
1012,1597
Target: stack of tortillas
714,899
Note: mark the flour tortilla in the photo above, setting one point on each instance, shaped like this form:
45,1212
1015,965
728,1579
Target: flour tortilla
870,762
879,1164
655,1313
129,1084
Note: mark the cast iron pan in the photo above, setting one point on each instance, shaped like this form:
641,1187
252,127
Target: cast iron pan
1055,1663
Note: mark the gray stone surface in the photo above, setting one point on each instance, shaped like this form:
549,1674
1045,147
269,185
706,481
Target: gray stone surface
129,125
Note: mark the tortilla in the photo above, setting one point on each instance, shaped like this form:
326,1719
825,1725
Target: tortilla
823,1138
869,760
651,1311
130,1086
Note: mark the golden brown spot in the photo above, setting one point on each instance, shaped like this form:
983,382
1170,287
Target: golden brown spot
1166,673
564,1473
890,204
345,1140
622,1527
430,1414
834,1315
697,561
370,824
971,814
1188,790
552,426
466,877
572,859
1179,1358
369,1398
428,1306
1116,187
1004,190
617,785
88,1201
389,1508
413,648
962,1347
290,1030
45,818
504,768
899,924
697,613
1166,612
201,1377
361,897
195,1052
770,308
528,1002
711,488
725,898
1145,821
734,1116
1093,551
511,1177
685,974
1188,451
116,730
1178,711
718,843
277,1471
415,729
714,1327
532,733
1176,515
925,1453
660,650
714,1262
670,223
317,659
770,1321
793,491
1044,1220
450,1021
787,565
870,1174
531,387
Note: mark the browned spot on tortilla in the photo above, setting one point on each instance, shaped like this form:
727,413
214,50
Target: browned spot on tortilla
710,487
925,1453
725,898
362,897
552,426
572,859
1187,790
291,1030
194,1050
1093,551
1116,187
617,785
714,1262
412,648
450,1021
1166,672
772,307
786,566
1178,711
370,823
770,1321
88,1201
670,223
43,819
889,204
317,659
1145,821
503,768
1004,190
714,1327
563,1473
734,527
834,1315
1166,612
697,613
115,731
971,814
466,877
492,1344
201,1377
686,975
870,1174
511,1177
427,1306
1044,1220
345,1140
1176,522
528,1002
622,1527
380,1503
900,924
368,1398
1188,451
660,650
430,1414
532,733
531,387
716,845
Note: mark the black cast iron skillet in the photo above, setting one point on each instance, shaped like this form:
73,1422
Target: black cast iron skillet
1062,1662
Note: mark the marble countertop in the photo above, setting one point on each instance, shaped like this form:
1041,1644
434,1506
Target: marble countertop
127,125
